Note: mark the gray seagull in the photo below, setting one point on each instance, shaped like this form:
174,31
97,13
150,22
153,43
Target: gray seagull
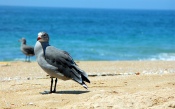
57,63
26,50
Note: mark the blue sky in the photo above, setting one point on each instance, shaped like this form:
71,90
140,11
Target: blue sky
118,4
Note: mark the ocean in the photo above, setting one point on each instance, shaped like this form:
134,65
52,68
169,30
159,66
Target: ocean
90,34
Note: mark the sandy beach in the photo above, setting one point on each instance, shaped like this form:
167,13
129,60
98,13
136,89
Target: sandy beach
114,85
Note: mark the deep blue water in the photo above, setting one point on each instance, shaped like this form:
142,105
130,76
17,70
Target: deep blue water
90,34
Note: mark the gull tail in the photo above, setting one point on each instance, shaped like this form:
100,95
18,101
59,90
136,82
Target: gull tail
80,76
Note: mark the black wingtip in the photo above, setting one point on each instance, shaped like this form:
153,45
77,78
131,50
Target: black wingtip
85,79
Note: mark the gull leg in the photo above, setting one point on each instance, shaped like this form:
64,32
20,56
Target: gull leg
29,58
26,59
51,85
55,85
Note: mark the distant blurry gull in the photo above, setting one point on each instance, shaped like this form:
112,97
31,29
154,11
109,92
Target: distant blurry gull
57,63
27,50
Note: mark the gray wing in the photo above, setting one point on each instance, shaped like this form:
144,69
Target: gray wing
28,50
65,64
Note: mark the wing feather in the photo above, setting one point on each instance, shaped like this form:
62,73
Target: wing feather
60,59
65,64
28,49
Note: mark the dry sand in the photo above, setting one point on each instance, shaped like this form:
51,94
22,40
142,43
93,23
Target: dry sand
114,85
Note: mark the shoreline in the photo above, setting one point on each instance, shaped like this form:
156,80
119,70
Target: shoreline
103,68
137,84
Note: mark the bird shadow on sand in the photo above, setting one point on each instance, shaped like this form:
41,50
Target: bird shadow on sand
65,92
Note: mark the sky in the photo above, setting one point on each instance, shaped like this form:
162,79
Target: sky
113,4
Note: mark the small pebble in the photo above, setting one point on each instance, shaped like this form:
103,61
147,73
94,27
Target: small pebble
30,103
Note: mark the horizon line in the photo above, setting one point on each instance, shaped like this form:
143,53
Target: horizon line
87,7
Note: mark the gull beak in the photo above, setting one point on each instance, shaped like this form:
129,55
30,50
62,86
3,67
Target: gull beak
38,38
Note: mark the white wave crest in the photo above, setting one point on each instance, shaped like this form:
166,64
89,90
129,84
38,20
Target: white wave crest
163,57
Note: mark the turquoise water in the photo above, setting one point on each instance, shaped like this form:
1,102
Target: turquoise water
90,34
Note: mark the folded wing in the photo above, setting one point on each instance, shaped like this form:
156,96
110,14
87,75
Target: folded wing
65,64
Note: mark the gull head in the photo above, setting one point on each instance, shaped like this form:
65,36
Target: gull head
43,37
22,40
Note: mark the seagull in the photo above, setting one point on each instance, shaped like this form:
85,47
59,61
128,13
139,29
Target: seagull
57,63
27,50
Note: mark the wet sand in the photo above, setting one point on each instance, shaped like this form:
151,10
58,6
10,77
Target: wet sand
114,85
